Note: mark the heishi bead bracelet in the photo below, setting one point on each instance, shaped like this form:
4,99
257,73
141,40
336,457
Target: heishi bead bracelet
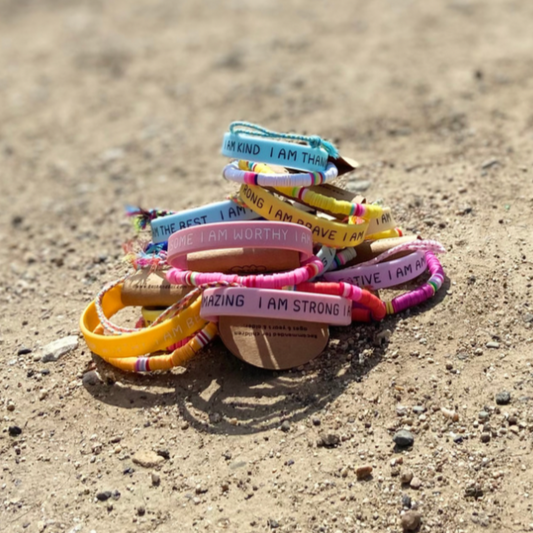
133,342
300,189
255,175
426,291
327,232
371,302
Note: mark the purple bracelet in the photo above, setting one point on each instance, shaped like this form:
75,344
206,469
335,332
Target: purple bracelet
423,293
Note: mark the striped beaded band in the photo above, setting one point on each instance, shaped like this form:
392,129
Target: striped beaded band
311,198
423,293
254,174
351,292
166,362
311,268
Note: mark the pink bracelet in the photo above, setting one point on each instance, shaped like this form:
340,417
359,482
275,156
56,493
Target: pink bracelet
309,270
268,303
425,245
377,274
382,275
423,293
359,296
259,234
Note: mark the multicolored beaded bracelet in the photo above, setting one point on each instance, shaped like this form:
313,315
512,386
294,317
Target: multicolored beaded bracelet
127,342
423,293
178,357
359,296
309,269
254,174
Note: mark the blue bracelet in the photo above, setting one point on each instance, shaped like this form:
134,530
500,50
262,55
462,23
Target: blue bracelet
249,141
164,227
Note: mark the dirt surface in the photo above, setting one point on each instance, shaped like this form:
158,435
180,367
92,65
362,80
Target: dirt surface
108,103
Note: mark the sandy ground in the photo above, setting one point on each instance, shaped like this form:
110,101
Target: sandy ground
108,103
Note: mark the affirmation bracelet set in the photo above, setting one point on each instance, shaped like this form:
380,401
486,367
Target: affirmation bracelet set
268,269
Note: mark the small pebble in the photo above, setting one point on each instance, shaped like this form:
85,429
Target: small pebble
503,398
483,415
404,438
141,511
148,459
273,524
91,379
485,437
14,431
406,501
10,406
316,421
23,350
411,521
363,472
406,477
452,415
493,344
104,495
156,479
328,440
285,426
416,483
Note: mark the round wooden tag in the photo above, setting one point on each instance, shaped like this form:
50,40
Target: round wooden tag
271,343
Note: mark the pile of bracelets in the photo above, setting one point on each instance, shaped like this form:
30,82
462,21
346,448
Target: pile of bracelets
288,247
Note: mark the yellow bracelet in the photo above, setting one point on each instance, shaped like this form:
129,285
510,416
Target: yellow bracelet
316,200
167,361
148,340
150,314
326,232
384,222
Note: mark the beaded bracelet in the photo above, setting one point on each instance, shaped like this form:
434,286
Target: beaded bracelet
178,357
309,269
254,174
359,296
423,293
300,190
342,257
329,233
133,342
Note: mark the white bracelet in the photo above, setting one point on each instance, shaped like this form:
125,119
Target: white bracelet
232,172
